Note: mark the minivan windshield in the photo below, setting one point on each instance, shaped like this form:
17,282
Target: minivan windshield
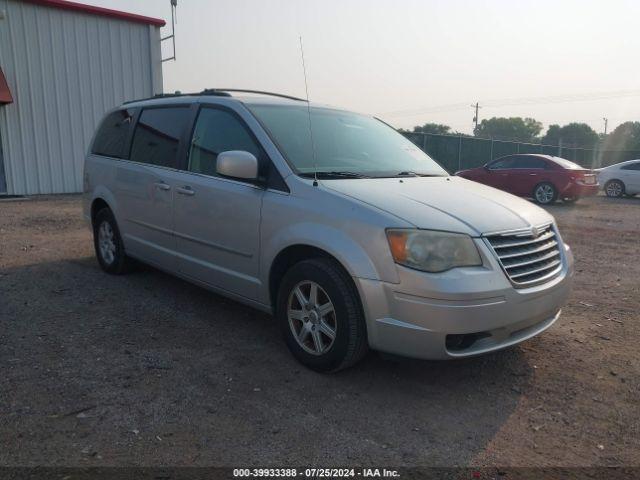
347,145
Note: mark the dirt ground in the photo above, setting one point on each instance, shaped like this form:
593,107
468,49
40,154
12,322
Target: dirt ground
146,369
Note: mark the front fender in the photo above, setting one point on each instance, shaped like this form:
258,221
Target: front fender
351,255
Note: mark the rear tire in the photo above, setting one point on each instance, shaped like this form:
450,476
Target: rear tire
545,193
108,244
320,314
614,189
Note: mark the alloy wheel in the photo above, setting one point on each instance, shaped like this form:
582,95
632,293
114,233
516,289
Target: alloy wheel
106,243
312,317
544,194
614,189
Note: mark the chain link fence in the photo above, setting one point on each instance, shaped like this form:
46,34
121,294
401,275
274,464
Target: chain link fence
458,152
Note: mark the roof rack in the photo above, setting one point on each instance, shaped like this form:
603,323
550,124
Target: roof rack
179,94
219,92
259,92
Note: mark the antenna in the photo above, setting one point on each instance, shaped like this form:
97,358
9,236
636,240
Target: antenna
306,87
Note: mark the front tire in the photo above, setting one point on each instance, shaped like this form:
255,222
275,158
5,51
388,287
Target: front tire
320,315
108,244
545,193
614,189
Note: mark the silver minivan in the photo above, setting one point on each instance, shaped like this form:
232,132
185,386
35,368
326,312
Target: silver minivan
330,220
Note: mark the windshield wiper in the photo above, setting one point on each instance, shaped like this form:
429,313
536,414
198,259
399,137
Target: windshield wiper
409,173
334,175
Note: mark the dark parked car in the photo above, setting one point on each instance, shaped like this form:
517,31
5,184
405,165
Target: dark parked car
541,177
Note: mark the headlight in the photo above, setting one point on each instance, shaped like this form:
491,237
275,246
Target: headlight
432,251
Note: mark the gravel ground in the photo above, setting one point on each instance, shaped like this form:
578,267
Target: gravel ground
146,369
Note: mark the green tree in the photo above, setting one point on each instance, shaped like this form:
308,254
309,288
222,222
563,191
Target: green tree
436,128
512,128
626,136
553,135
577,134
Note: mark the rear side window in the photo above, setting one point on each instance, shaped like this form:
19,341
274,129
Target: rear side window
113,134
502,164
632,166
218,131
530,162
157,135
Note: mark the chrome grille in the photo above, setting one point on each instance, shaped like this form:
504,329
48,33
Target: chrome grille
528,259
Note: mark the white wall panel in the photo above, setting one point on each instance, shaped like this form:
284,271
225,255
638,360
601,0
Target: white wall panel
65,69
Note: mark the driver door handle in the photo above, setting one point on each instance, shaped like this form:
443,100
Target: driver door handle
162,186
186,190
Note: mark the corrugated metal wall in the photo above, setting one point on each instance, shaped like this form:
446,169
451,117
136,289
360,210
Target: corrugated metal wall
65,69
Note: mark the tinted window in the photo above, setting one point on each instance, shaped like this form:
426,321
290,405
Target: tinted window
157,135
113,134
217,131
529,162
632,166
503,163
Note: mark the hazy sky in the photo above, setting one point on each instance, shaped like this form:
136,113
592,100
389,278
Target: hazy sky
430,58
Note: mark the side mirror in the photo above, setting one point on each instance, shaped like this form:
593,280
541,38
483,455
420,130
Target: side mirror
486,167
237,164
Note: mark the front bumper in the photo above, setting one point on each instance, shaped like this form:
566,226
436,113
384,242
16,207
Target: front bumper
459,313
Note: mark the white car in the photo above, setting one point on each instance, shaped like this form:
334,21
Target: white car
620,179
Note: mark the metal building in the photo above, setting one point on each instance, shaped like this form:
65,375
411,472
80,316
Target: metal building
62,65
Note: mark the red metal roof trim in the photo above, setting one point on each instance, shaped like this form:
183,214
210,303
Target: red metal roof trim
5,93
99,11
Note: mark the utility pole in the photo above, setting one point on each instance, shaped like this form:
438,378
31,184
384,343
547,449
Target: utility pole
606,122
475,118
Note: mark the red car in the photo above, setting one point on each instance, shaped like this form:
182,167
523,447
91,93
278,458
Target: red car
541,177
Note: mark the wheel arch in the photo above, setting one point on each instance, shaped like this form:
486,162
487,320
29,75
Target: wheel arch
546,182
98,204
291,255
310,239
101,198
615,179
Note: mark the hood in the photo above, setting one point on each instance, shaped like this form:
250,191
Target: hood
444,203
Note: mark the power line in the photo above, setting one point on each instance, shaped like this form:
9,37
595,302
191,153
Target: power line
518,101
